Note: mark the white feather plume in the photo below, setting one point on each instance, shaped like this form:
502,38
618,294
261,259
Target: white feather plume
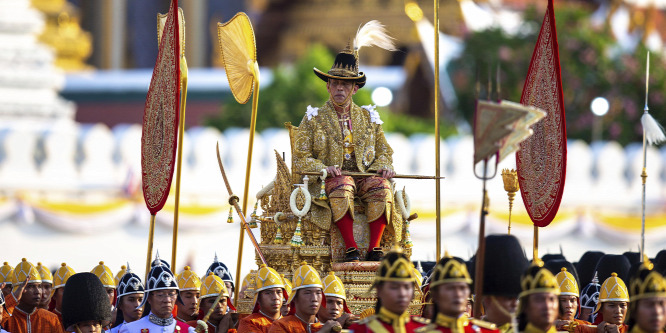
373,33
654,132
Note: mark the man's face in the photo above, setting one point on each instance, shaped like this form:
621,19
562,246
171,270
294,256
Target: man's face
6,290
614,312
333,310
190,306
308,300
220,308
57,296
451,298
32,295
585,313
270,300
501,308
128,305
90,327
396,296
230,288
110,293
541,310
284,310
650,315
162,302
46,294
339,90
568,307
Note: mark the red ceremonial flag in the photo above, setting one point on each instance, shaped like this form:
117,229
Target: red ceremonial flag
542,158
160,117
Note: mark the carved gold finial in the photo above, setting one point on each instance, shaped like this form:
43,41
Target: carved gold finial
511,186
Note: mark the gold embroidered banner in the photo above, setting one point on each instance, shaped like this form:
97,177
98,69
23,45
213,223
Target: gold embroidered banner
160,118
542,158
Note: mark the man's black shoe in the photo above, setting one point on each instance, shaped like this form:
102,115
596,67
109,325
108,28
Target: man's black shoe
352,255
375,255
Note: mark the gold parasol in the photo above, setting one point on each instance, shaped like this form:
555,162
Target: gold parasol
239,55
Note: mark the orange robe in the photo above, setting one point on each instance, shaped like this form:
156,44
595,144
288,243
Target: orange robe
255,323
10,303
291,324
39,321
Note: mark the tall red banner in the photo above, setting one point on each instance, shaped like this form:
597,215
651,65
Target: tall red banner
542,158
160,117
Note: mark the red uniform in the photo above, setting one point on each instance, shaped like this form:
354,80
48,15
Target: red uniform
462,324
388,322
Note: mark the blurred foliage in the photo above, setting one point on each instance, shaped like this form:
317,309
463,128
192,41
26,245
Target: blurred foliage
592,65
294,88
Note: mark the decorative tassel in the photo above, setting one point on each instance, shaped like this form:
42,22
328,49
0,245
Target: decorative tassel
296,240
253,216
278,235
654,132
230,219
322,193
408,236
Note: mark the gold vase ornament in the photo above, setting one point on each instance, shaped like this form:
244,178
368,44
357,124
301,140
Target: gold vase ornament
511,186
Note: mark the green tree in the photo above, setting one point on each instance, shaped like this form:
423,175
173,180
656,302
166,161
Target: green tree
592,65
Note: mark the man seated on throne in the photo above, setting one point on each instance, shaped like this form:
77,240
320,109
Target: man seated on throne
341,136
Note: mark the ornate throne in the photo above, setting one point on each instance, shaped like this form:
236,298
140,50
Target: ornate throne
321,248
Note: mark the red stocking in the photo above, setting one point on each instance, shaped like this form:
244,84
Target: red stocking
346,226
376,231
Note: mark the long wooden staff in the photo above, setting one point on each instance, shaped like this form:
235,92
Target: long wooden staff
369,174
179,159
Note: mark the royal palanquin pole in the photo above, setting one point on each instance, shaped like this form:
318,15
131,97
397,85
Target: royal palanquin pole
160,123
542,159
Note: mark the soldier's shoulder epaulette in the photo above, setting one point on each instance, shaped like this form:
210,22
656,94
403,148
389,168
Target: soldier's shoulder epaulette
421,320
430,328
483,324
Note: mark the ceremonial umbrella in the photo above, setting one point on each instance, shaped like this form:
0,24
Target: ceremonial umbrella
239,54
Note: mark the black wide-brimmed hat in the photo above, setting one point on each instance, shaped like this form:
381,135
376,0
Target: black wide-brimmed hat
84,299
345,66
503,265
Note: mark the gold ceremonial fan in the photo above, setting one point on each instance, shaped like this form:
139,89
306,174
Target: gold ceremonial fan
239,55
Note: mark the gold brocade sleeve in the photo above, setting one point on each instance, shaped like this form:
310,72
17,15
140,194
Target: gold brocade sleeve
305,144
384,152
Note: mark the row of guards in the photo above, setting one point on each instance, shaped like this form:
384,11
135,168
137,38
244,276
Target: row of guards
535,129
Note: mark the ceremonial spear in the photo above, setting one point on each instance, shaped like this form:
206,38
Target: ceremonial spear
233,201
653,133
160,123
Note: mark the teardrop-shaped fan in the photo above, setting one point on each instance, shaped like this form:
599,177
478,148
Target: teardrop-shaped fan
239,55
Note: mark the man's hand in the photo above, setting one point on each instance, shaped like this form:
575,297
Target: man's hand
333,171
19,291
560,324
386,173
331,326
347,319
